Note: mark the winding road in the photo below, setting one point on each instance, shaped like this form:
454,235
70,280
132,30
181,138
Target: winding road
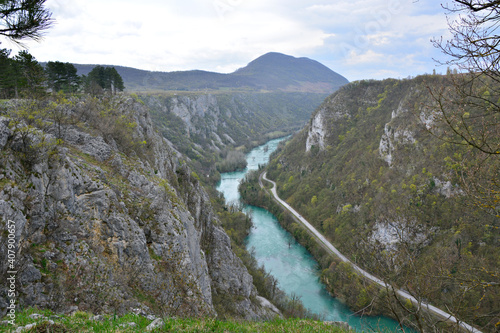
430,308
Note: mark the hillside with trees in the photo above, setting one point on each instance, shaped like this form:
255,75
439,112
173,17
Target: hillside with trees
369,172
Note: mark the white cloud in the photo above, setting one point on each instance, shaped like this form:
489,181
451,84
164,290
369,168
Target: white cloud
223,35
368,57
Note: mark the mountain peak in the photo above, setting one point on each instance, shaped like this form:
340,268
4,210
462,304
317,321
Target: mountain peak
275,60
273,56
277,71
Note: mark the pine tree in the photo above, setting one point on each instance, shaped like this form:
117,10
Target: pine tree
101,79
7,75
31,76
62,76
20,19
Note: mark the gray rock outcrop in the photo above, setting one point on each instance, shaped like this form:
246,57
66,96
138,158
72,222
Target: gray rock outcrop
115,222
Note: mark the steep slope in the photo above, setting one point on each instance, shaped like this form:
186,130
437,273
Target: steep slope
205,126
271,72
368,174
105,216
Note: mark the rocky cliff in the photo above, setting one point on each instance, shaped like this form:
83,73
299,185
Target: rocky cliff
107,217
204,127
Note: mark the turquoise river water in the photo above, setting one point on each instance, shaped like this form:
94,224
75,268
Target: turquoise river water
293,266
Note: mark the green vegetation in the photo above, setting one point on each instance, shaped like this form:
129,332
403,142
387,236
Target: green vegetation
103,79
446,248
22,76
233,161
62,76
86,322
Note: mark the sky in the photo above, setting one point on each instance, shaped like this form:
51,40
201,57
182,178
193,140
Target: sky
359,39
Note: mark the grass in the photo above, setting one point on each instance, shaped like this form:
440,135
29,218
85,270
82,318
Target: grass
82,322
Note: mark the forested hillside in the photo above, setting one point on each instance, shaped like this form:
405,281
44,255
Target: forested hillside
370,173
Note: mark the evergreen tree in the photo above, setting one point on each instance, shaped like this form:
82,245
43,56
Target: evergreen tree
62,76
30,75
7,75
102,79
20,19
116,80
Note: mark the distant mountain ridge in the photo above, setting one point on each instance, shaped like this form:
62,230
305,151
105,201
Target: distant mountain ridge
270,72
275,71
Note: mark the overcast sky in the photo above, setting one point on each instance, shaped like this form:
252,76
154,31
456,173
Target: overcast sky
360,39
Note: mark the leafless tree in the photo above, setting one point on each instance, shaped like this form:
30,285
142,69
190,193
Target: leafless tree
467,106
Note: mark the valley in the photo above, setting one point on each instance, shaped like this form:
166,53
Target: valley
113,205
161,170
290,263
137,172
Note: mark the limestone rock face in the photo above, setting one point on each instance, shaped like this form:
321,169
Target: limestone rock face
115,222
397,132
5,132
226,120
317,132
200,115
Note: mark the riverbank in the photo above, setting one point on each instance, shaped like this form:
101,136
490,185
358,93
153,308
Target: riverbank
384,287
238,225
347,287
295,269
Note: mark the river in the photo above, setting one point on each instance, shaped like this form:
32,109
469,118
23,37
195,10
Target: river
289,262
